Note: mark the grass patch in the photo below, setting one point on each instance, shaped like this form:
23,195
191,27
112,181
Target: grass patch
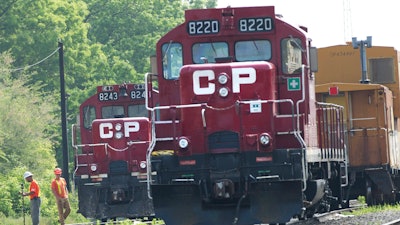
372,209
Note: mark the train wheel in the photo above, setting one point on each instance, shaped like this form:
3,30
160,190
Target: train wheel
344,199
345,203
390,199
369,198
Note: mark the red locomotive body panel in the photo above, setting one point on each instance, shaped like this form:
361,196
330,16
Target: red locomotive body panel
255,32
109,102
246,82
131,144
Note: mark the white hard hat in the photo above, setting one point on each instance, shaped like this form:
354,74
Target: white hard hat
27,174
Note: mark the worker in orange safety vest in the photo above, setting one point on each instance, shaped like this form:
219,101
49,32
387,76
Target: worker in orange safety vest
34,195
60,191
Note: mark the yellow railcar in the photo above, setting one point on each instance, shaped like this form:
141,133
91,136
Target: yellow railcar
371,114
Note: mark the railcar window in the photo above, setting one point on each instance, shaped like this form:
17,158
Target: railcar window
137,110
112,112
172,60
381,70
291,55
89,114
253,50
207,52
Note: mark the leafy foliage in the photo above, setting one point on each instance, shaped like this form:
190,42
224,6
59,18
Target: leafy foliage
27,114
105,42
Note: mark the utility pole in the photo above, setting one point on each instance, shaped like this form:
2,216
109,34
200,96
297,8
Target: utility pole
63,116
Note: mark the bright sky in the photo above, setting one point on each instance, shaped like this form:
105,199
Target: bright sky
325,19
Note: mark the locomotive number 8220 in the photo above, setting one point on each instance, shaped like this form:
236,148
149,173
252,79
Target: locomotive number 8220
255,24
201,27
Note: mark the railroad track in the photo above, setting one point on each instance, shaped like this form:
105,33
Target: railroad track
318,218
394,222
125,222
323,217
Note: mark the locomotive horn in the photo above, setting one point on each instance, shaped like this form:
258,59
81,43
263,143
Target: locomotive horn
122,91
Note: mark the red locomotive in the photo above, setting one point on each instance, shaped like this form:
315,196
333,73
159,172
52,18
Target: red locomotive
238,136
110,160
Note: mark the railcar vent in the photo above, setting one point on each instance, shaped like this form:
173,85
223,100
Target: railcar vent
118,167
223,140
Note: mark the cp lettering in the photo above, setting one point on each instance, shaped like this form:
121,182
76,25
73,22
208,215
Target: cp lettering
240,76
107,130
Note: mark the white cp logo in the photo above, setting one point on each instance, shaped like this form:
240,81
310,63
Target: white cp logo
238,79
107,129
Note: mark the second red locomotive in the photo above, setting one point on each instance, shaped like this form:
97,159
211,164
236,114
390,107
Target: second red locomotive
110,145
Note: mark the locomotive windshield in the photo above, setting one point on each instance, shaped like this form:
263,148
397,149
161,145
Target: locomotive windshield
112,112
253,50
137,111
291,55
207,52
89,114
118,111
172,60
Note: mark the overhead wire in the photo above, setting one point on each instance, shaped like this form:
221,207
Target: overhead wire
37,63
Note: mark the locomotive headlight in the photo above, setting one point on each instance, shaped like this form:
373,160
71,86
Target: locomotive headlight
265,139
183,142
118,127
223,78
93,167
223,92
143,164
119,135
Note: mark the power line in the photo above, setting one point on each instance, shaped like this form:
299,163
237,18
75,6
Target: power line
37,63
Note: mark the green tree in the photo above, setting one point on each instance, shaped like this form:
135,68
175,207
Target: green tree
27,114
129,30
30,30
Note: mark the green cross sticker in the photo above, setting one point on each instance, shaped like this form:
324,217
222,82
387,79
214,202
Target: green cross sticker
293,84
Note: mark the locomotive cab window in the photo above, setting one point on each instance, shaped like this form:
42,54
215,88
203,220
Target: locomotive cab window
89,114
137,111
208,52
112,112
291,55
254,50
172,60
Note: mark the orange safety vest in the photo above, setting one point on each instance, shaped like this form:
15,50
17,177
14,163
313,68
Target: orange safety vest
59,186
35,188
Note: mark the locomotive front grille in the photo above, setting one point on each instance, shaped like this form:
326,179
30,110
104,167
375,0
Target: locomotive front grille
119,168
223,141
